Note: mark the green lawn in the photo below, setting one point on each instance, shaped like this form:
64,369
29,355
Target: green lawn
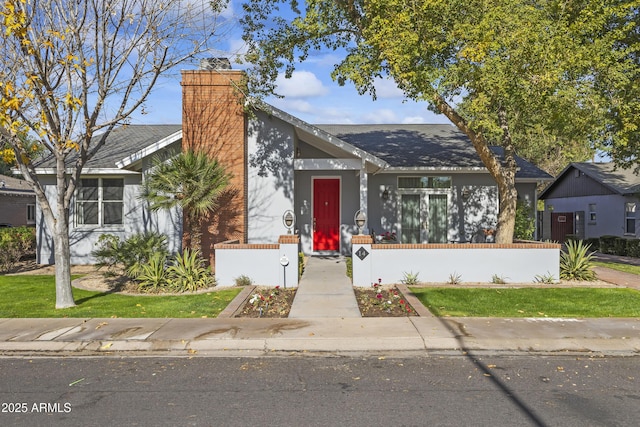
633,269
34,296
531,302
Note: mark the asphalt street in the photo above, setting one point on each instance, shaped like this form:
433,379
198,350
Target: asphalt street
328,391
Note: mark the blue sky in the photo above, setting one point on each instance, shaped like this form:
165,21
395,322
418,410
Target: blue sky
310,94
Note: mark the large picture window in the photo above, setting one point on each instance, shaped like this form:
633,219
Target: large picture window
99,201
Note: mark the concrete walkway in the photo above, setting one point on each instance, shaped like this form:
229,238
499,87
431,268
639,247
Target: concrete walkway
324,291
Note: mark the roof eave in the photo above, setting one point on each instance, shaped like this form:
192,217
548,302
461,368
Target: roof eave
89,171
325,136
149,150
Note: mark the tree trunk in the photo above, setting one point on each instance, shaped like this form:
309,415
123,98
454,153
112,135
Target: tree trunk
503,174
62,254
61,245
508,195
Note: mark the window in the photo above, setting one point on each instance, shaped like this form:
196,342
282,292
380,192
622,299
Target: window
592,212
99,201
630,218
424,182
31,214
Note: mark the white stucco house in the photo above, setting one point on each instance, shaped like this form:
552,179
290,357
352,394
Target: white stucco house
423,183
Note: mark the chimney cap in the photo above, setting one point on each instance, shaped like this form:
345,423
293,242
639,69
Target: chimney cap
215,64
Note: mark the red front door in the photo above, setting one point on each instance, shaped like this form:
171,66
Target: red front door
326,214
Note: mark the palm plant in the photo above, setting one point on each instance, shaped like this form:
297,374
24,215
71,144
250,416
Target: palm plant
192,181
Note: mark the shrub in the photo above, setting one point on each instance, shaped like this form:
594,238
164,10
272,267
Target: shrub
576,263
131,253
620,246
525,224
243,281
15,243
633,247
594,242
607,244
189,272
107,252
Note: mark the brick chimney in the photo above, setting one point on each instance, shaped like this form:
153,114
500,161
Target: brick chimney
213,119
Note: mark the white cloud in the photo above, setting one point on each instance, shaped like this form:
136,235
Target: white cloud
379,116
292,106
387,88
302,84
413,120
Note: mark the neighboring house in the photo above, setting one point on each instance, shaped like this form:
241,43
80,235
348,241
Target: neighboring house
591,200
17,202
425,183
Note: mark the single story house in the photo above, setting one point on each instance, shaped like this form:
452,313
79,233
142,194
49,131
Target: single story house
590,200
17,202
421,183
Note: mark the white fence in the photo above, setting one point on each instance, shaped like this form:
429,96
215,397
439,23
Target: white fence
439,263
265,264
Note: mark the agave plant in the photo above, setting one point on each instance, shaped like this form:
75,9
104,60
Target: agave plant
152,275
189,273
576,263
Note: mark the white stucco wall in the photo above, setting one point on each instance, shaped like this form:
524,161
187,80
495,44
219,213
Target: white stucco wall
270,177
478,264
264,266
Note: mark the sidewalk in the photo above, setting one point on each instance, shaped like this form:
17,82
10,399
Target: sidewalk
412,336
310,332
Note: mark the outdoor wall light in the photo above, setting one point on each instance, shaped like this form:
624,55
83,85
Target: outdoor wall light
387,192
466,193
360,218
289,219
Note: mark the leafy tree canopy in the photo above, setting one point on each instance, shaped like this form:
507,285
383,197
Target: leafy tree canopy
564,73
526,75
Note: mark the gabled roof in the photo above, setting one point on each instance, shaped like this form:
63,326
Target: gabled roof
433,147
123,143
15,187
317,132
423,146
621,181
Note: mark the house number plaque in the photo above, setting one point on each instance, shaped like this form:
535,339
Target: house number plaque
362,253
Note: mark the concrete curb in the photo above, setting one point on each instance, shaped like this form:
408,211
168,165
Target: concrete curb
238,302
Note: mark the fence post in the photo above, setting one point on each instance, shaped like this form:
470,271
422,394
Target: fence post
361,259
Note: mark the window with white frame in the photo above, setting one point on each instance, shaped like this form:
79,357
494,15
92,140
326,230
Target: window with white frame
592,212
31,214
99,201
424,182
630,218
